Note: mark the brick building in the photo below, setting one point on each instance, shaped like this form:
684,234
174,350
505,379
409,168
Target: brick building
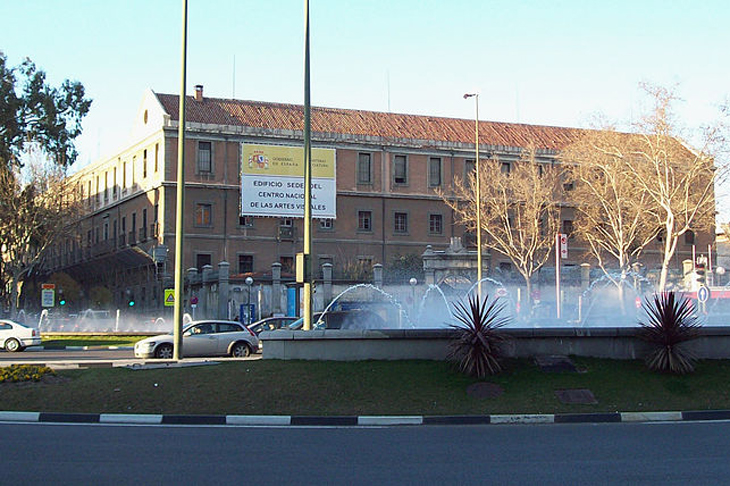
388,167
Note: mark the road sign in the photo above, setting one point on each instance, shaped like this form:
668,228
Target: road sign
169,297
703,294
501,292
563,240
194,300
48,286
48,297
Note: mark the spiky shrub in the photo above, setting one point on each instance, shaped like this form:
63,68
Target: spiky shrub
478,347
670,324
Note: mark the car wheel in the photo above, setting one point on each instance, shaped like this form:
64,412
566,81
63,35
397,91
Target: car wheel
12,345
164,351
240,350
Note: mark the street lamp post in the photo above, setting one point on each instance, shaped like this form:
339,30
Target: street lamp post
478,193
249,283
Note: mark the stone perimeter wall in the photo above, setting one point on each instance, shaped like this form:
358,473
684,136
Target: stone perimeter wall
433,344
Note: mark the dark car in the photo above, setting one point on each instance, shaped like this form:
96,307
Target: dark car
271,324
349,319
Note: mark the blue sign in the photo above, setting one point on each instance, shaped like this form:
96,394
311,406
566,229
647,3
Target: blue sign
703,294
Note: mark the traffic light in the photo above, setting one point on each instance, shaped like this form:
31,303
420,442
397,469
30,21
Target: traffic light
700,274
131,302
61,298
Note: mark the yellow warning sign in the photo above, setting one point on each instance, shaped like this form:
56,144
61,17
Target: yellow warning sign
169,297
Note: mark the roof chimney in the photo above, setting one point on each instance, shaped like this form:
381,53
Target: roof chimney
198,92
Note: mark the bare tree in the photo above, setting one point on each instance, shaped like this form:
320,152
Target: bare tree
678,180
632,188
37,208
519,206
612,209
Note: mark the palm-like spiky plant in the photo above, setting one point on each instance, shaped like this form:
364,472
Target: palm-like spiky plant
670,323
478,347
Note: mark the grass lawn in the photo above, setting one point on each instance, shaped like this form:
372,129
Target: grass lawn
275,387
50,340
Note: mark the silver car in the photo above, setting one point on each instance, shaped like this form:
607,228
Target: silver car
16,337
202,338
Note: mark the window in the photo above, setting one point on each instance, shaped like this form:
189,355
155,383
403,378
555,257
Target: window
114,185
469,168
505,168
505,267
202,259
205,165
287,264
400,222
434,171
144,164
144,223
568,186
435,224
134,162
202,214
689,237
246,221
157,156
124,175
364,169
326,224
364,220
568,227
245,263
400,169
286,222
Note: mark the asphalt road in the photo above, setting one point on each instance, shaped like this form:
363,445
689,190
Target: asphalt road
658,453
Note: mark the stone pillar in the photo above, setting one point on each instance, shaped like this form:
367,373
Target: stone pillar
585,276
378,275
327,283
205,293
223,294
276,288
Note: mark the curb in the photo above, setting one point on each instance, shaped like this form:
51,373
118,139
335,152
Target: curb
362,420
80,348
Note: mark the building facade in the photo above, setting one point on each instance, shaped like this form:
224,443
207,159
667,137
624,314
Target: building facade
389,170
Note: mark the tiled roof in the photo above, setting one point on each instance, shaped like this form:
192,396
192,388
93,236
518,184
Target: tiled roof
258,114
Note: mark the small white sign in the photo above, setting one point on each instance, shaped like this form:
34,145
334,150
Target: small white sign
48,297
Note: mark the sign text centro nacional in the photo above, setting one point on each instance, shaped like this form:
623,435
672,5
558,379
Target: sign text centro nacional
272,181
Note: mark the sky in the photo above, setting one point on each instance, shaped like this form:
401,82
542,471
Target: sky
556,62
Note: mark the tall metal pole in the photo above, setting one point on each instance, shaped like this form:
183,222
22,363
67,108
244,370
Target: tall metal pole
307,180
478,194
177,333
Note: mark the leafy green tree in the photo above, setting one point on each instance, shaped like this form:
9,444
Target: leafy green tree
33,112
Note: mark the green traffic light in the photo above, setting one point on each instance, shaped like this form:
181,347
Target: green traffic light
131,303
62,302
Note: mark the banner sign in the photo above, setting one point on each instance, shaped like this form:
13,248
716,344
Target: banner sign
272,181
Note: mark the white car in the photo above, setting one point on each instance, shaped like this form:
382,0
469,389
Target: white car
202,338
16,337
